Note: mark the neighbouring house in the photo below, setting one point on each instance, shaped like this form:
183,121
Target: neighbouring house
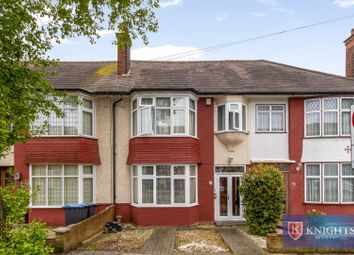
6,164
168,142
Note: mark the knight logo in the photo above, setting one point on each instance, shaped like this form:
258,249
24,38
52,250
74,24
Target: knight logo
295,230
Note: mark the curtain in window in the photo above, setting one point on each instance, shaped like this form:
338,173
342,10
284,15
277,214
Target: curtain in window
163,190
179,191
135,190
313,124
330,123
313,189
55,124
146,120
71,190
147,191
346,125
71,122
87,123
54,190
87,190
38,186
179,121
221,117
277,121
330,172
135,123
263,121
191,123
163,121
348,189
193,190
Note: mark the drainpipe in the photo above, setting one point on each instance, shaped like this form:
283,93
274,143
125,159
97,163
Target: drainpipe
114,148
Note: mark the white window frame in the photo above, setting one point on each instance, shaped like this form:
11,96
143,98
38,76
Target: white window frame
309,112
186,177
324,177
80,109
341,110
186,108
270,118
80,177
227,111
321,177
329,110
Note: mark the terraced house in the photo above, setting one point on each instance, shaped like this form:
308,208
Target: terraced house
168,142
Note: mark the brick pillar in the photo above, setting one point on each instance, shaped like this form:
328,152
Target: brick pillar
123,63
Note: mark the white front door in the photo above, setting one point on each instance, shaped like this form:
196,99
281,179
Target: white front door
228,199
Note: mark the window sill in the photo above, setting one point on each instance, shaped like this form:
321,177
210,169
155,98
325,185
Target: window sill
65,136
164,136
328,203
270,132
163,206
331,136
232,131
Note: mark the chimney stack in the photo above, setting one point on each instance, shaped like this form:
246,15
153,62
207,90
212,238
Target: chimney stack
123,63
349,62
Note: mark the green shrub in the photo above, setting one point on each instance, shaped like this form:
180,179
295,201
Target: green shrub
263,195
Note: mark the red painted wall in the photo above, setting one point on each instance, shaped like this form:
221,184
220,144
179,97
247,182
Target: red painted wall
51,216
144,150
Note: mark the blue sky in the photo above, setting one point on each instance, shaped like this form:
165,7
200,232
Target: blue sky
194,24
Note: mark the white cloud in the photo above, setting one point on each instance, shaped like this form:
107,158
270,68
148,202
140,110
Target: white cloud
157,53
258,14
105,32
344,3
221,16
170,3
269,2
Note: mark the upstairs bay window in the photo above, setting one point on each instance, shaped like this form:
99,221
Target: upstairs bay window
78,119
328,117
164,185
164,116
231,117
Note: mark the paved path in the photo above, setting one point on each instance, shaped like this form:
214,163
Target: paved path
162,241
239,243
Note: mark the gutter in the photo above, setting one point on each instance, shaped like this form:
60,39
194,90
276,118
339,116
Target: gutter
114,147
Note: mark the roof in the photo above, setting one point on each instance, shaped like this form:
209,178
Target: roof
201,77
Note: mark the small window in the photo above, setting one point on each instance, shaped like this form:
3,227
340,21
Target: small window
270,118
231,116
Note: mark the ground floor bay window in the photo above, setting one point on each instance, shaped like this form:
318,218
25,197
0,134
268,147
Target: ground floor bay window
164,185
329,183
57,185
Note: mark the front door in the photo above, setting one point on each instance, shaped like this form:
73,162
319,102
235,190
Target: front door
228,198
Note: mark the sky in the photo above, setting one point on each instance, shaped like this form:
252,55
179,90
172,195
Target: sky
187,25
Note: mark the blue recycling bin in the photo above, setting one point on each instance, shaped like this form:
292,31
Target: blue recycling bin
75,213
91,210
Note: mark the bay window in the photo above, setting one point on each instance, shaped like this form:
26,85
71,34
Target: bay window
328,117
164,185
78,119
57,185
329,183
270,118
231,117
164,116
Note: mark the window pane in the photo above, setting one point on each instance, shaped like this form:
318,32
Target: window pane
87,103
55,124
179,121
38,170
330,103
135,171
330,169
147,170
147,191
234,107
263,107
163,102
221,117
348,189
71,170
163,170
312,124
192,104
179,101
313,190
279,108
263,121
330,190
54,170
277,121
330,123
87,170
312,105
347,169
135,121
192,123
87,123
87,190
244,118
71,120
55,191
312,170
346,125
179,191
179,170
134,104
135,190
71,192
347,103
146,120
146,101
192,170
38,187
193,190
163,121
163,190
234,120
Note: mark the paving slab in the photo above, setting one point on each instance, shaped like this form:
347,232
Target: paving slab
161,241
239,243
